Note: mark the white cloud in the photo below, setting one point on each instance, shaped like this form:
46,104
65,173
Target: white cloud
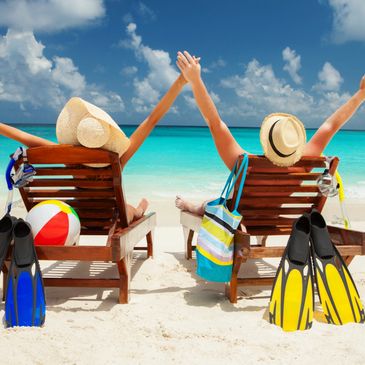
348,20
129,70
190,101
27,76
161,73
49,15
220,62
329,78
145,11
260,92
65,73
292,65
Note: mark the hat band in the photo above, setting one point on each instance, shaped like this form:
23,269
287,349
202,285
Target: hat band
272,144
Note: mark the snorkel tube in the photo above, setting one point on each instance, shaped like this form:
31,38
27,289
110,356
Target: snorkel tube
341,198
329,187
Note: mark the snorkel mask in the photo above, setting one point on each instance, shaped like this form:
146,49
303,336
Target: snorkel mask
332,185
19,178
327,183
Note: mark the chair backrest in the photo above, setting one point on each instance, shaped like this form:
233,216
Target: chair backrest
273,197
95,193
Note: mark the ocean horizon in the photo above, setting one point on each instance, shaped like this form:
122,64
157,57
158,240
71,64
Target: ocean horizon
183,160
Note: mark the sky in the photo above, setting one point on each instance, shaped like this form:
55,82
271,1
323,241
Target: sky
304,57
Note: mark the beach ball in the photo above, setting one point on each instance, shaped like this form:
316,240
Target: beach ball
54,223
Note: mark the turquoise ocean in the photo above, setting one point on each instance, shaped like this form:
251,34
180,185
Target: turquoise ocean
183,160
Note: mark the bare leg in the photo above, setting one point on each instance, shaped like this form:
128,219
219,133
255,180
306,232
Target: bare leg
136,213
24,138
186,206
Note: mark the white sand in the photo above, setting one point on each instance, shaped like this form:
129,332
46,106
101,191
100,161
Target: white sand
176,318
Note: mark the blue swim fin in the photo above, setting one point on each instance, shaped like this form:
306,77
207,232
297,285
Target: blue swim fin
25,303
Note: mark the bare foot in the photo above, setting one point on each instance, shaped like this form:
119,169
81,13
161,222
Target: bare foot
189,207
142,207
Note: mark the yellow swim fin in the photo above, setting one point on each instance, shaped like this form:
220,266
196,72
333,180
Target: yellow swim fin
336,289
292,297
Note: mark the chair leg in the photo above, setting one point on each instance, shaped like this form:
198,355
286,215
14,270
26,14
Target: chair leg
188,237
231,287
240,255
348,259
261,240
149,239
124,269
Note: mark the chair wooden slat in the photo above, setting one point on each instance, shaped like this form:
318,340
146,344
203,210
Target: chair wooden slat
280,221
257,190
277,201
89,222
71,183
273,211
95,213
305,161
289,176
68,155
76,203
70,193
67,171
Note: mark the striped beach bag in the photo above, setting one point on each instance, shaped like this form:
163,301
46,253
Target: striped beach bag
214,249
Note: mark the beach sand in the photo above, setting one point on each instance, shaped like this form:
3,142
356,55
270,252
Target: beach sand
174,317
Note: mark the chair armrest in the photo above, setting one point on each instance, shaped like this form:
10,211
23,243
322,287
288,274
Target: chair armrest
349,237
128,237
190,221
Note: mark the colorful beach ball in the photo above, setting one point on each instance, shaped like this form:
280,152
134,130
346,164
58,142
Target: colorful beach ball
54,223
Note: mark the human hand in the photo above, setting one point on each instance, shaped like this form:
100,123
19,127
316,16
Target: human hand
189,66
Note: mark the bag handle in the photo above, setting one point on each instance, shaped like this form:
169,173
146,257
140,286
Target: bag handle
229,180
242,183
242,168
233,182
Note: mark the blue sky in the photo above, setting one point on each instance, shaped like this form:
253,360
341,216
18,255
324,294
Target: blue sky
258,56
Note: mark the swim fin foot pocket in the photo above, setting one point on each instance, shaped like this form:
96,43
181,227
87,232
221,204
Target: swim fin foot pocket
337,291
6,235
292,299
25,303
311,256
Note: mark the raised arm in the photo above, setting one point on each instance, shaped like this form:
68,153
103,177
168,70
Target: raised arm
227,146
329,128
146,127
24,138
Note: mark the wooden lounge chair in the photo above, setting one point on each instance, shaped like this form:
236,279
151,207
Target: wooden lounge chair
273,197
97,196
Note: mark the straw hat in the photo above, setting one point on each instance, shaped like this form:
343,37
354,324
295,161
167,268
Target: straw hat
283,138
82,123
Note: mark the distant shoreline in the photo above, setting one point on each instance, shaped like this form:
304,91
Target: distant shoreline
170,126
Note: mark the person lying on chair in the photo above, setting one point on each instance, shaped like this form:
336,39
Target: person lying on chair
282,135
82,123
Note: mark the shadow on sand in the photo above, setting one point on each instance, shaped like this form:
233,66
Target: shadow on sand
106,297
208,294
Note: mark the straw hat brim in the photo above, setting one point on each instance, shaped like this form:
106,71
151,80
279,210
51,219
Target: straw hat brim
77,109
266,146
